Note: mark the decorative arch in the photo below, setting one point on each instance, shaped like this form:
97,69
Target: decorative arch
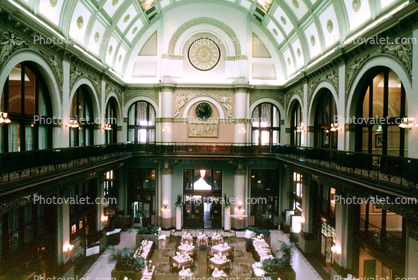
374,62
43,67
112,94
92,91
139,98
204,20
266,100
295,98
193,101
325,84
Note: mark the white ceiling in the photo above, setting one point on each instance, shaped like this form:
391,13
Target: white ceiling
301,30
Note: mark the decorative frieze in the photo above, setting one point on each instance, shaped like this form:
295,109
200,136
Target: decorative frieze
332,77
9,43
225,99
402,51
208,129
352,70
56,66
311,87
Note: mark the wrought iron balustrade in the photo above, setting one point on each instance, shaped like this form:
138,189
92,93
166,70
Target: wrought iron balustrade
18,165
387,241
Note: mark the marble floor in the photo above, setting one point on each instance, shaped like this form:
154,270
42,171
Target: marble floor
101,269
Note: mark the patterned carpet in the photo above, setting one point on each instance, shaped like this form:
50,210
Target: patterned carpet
166,253
240,254
241,268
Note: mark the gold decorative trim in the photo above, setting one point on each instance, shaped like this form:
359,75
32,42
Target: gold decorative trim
167,171
239,172
164,120
119,128
237,57
287,130
173,56
310,128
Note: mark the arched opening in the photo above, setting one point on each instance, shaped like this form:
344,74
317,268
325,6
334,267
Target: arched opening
141,123
27,104
380,108
81,118
111,127
265,125
325,116
296,121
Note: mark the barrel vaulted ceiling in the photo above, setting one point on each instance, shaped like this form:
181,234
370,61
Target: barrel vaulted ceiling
301,31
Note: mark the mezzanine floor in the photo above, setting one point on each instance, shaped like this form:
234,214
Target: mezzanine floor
101,269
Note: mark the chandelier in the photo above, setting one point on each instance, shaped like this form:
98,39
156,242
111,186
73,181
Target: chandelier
4,118
408,123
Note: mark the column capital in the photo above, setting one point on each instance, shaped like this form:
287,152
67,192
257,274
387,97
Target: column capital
165,87
242,88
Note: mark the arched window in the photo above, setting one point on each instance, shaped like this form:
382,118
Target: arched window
81,132
141,123
383,97
27,101
295,122
111,130
265,125
325,115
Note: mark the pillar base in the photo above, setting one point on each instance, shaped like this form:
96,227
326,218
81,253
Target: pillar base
238,224
308,242
166,223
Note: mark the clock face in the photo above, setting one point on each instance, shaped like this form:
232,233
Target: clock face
203,111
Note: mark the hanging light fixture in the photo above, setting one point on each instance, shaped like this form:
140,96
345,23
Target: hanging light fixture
335,127
300,128
73,123
408,123
4,118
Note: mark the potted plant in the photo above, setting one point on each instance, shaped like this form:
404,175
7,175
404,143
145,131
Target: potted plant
179,205
126,264
281,265
259,231
149,232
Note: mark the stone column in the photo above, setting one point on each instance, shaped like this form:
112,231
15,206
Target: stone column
166,197
64,139
167,117
307,240
100,206
123,190
240,111
285,186
411,252
63,231
239,206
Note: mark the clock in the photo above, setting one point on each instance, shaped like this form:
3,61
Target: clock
203,111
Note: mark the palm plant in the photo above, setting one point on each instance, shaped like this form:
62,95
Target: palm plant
125,260
179,201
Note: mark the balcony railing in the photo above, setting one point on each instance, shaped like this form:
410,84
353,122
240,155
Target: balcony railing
398,170
386,241
20,165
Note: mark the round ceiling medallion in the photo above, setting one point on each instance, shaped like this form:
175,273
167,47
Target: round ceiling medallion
125,20
298,52
53,3
204,54
288,61
115,2
283,20
110,50
313,41
80,22
135,30
330,26
296,4
275,32
96,37
356,5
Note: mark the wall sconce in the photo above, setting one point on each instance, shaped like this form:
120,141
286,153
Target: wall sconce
406,123
105,218
165,129
300,128
240,208
73,123
334,252
107,127
335,127
165,207
67,250
242,130
4,119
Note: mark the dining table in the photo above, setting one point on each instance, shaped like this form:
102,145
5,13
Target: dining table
186,249
224,249
183,260
186,274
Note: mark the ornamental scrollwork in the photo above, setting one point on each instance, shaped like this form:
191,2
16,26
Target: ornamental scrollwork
352,70
10,43
403,52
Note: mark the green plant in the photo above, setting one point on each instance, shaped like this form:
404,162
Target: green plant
258,231
227,201
125,260
179,201
282,263
149,229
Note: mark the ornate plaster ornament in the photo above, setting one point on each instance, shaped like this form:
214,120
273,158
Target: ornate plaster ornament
10,43
204,54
